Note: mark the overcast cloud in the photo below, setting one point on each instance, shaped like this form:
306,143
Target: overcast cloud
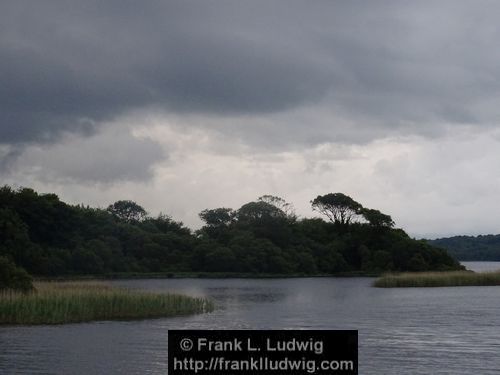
184,105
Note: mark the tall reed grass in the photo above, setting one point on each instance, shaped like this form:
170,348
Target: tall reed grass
437,279
71,302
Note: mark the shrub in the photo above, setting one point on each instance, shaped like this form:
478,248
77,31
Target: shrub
14,278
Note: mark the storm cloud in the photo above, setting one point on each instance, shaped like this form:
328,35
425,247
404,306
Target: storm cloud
69,66
112,96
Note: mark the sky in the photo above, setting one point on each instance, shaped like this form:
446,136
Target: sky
187,105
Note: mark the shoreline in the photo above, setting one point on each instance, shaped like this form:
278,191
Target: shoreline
201,275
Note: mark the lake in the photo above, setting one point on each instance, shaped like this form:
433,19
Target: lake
401,331
482,266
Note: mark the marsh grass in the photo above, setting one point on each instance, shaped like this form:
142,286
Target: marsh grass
80,301
437,279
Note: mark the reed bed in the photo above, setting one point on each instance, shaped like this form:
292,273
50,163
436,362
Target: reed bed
72,302
437,279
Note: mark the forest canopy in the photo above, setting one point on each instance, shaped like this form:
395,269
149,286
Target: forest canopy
471,248
48,237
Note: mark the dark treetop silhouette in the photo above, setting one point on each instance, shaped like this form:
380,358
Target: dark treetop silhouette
48,237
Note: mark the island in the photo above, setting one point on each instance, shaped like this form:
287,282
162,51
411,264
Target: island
44,238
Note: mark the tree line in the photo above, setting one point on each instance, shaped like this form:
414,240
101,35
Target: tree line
48,237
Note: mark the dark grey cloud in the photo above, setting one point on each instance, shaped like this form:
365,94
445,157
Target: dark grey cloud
68,66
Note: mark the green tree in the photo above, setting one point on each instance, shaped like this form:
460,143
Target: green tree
377,218
164,224
280,204
217,223
127,210
418,263
221,259
257,211
382,261
85,260
306,263
14,239
265,221
337,207
217,217
14,278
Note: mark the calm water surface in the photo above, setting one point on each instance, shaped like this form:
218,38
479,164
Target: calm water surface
482,266
401,331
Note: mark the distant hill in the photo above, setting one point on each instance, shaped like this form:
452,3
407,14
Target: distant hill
470,248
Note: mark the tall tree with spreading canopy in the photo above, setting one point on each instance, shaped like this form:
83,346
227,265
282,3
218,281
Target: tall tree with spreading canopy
280,204
127,210
338,207
217,217
259,210
217,221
